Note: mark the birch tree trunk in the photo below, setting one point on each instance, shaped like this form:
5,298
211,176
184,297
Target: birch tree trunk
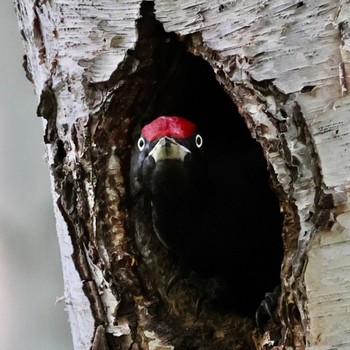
99,68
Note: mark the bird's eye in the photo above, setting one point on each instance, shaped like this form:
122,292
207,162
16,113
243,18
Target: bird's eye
141,143
199,141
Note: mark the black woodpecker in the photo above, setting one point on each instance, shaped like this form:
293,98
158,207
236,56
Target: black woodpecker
216,214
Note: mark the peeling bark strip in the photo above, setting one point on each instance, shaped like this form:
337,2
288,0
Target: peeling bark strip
99,69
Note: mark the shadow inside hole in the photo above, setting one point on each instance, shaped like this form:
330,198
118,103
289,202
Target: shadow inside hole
244,246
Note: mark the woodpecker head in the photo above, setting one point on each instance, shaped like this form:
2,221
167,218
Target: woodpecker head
167,156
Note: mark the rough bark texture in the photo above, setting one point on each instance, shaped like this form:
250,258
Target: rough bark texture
99,69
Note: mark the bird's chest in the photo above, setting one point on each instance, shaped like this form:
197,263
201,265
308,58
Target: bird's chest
176,219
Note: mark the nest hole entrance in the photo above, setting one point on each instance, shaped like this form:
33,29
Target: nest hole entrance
248,256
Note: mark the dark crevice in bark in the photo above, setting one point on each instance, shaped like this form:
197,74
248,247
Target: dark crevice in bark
324,203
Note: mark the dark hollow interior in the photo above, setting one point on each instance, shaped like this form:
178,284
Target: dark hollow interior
182,84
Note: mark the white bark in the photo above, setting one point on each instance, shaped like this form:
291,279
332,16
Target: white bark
285,63
77,305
